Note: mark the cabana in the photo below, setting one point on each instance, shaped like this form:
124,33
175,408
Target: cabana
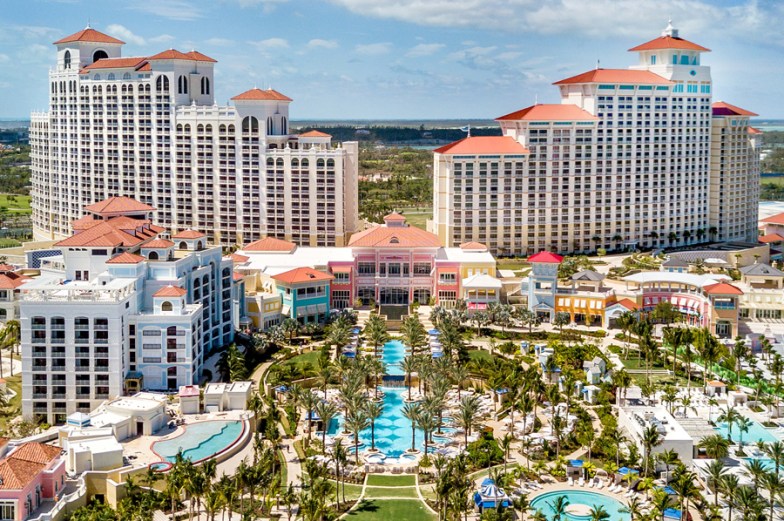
626,474
575,469
490,496
672,514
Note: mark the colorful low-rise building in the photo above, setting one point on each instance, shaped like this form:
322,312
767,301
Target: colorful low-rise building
304,294
31,475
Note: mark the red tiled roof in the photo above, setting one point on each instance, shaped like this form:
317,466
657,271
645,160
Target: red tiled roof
126,258
17,474
171,54
550,112
189,234
315,133
35,452
473,246
170,291
752,130
102,234
270,244
83,223
774,219
722,288
145,68
89,35
116,63
118,204
239,259
6,267
669,42
298,275
616,76
11,281
628,304
237,276
158,243
771,237
261,95
716,383
394,217
722,108
483,145
394,237
199,57
546,256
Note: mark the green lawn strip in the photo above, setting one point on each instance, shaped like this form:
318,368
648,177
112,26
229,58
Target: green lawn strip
352,491
391,510
380,480
305,358
478,354
428,491
384,492
20,204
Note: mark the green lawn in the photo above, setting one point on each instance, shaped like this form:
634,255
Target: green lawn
9,243
478,354
305,358
391,510
19,204
401,492
380,480
352,491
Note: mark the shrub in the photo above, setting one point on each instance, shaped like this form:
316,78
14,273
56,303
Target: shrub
485,452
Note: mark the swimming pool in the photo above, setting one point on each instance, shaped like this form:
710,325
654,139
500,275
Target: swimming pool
392,356
580,497
757,432
200,441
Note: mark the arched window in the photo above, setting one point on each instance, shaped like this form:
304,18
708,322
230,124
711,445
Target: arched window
279,163
67,60
205,86
162,83
250,124
305,163
269,127
171,331
295,163
182,85
97,77
183,245
284,126
153,255
330,163
99,55
171,371
166,306
127,76
199,246
111,76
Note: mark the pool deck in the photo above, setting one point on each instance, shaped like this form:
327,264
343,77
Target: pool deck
139,449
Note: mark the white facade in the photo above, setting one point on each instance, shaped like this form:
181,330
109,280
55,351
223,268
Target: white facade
150,128
110,321
624,161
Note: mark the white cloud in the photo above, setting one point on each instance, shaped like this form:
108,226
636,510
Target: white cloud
267,5
424,49
123,33
163,38
318,43
219,42
181,10
373,49
270,44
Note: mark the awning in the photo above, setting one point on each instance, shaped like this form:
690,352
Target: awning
286,309
321,308
477,305
342,269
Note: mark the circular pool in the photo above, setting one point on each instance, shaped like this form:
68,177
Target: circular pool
160,466
580,504
200,441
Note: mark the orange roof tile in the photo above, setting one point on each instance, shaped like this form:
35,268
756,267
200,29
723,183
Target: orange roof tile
145,68
298,275
189,234
716,383
752,130
616,76
550,112
261,95
546,256
17,474
722,108
628,304
126,258
473,245
171,54
394,217
158,243
394,237
89,35
199,57
315,133
35,452
102,234
6,267
774,219
237,276
9,281
483,145
239,259
669,42
83,223
271,244
771,237
722,288
118,204
116,63
170,291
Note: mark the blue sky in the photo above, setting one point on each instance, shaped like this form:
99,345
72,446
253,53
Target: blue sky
402,59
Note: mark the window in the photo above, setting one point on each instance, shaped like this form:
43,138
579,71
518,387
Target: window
66,65
447,278
653,60
166,306
7,510
205,86
182,85
366,268
99,55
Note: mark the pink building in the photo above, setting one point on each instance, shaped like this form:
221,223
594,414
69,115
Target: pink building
31,475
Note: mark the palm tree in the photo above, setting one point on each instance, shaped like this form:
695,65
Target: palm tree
356,421
327,412
505,444
376,332
728,485
466,415
661,502
715,446
558,507
775,451
599,513
409,366
748,502
730,416
668,457
373,410
650,439
633,508
755,469
744,424
428,423
625,321
324,372
686,489
774,486
715,472
412,412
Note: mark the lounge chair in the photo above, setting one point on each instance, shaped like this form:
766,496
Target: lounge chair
571,482
599,484
581,482
590,483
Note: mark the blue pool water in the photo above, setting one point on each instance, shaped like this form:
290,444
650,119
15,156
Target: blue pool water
200,440
393,355
591,499
757,432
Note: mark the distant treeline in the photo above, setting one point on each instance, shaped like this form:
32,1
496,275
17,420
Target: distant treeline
398,135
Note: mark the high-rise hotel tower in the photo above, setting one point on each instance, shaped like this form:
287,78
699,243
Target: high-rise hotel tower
636,157
150,128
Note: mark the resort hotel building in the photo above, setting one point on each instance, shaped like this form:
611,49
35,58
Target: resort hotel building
149,127
393,265
123,307
636,157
